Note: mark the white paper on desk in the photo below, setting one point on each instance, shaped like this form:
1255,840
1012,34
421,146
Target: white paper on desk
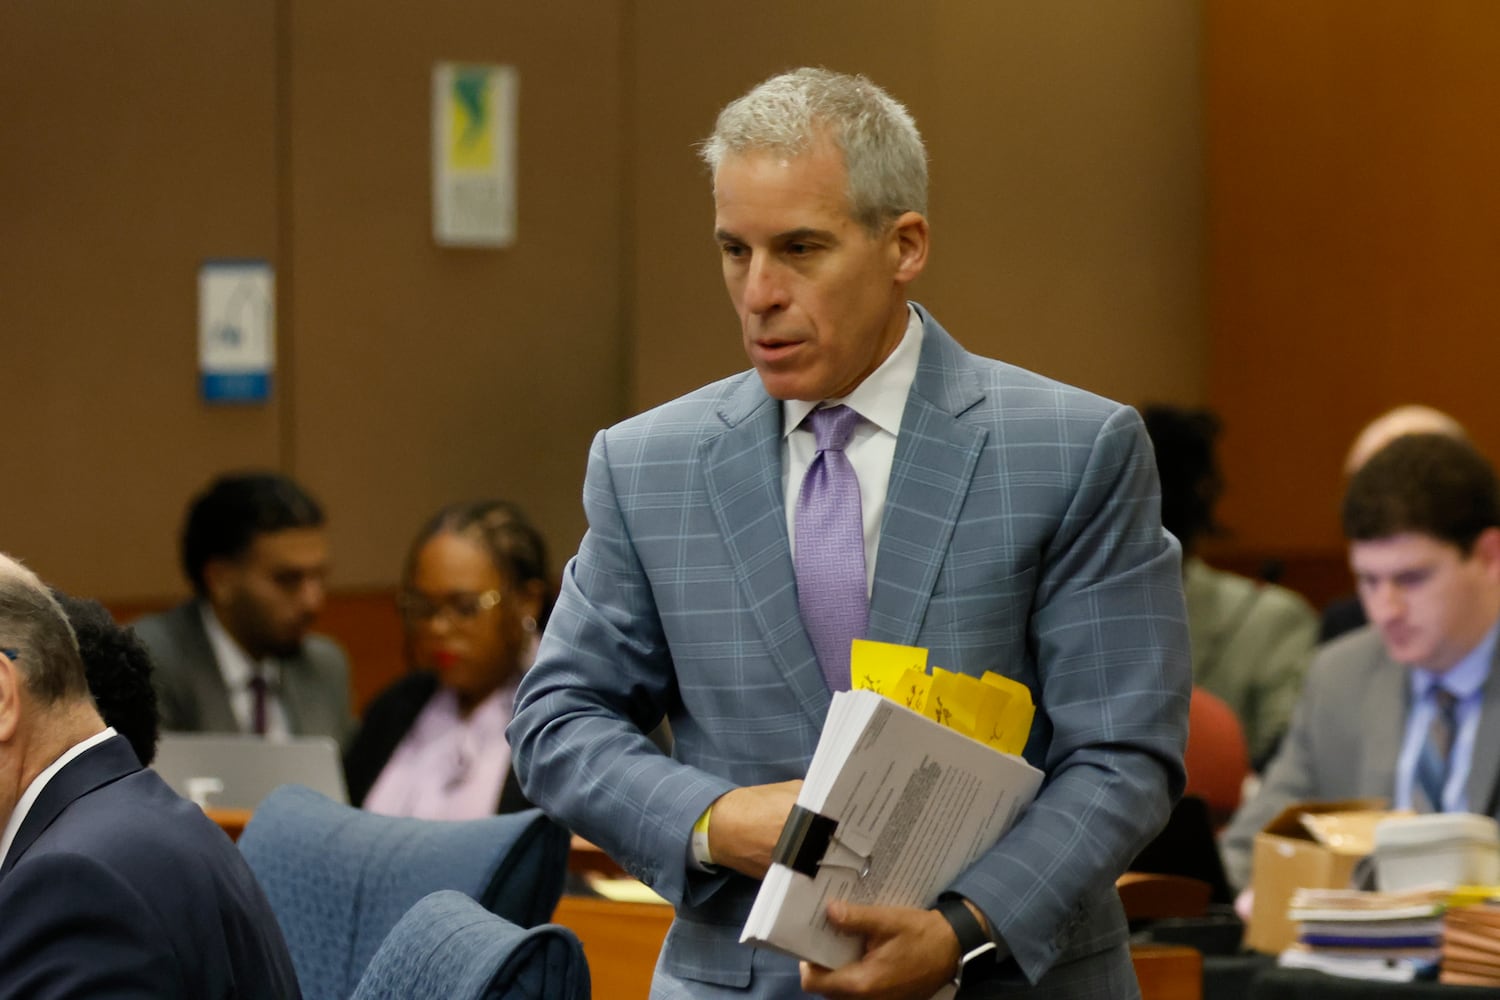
915,805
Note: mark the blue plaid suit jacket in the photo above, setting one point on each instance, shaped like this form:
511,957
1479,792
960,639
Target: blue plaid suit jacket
1022,534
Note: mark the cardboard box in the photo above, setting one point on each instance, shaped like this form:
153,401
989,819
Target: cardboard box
1292,853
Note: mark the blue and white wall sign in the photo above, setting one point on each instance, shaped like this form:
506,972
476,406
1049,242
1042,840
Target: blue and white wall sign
236,330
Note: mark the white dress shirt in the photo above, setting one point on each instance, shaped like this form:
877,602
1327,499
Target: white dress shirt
1465,680
236,667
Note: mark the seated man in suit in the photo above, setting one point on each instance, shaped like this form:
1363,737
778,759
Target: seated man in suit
869,478
1403,708
240,657
110,884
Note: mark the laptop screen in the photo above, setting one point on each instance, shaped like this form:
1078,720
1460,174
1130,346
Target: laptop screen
237,771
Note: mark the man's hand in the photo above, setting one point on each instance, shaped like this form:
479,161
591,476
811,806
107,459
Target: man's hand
910,954
746,824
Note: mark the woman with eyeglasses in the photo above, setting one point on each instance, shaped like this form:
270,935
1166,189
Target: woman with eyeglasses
474,596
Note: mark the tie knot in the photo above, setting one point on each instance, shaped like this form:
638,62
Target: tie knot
833,426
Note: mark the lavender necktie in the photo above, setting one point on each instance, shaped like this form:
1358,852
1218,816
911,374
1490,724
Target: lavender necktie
831,547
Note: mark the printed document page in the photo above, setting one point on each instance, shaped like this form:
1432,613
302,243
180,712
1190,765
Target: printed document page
910,804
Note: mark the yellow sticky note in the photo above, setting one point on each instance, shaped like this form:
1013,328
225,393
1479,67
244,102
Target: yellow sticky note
987,717
880,666
1014,725
953,700
912,691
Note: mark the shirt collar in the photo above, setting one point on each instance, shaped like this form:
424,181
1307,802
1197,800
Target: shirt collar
1465,678
34,790
235,665
881,398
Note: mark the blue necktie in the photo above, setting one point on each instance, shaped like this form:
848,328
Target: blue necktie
1437,751
830,560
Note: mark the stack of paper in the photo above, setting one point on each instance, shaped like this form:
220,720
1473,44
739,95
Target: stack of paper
1471,945
1367,935
893,808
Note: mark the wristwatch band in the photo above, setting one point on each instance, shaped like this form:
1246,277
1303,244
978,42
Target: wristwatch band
973,943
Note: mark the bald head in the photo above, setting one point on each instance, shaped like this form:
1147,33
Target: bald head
1403,420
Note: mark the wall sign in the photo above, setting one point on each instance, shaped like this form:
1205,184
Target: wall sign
474,155
236,331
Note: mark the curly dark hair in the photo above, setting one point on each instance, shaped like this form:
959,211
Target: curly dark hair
118,668
225,519
1190,482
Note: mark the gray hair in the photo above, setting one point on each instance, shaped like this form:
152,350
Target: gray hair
883,152
33,624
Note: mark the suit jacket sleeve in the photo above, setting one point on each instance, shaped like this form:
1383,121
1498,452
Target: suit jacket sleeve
1109,629
602,680
73,929
1292,776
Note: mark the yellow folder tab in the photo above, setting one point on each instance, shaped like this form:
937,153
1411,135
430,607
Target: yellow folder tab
912,691
1014,725
880,666
954,700
989,716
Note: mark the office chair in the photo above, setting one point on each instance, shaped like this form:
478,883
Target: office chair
339,878
448,947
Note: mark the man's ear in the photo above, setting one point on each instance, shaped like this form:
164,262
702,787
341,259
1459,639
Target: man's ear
1487,550
10,698
218,579
911,238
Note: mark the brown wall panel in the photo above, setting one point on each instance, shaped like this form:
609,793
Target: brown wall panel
1066,185
141,138
1354,239
425,374
138,139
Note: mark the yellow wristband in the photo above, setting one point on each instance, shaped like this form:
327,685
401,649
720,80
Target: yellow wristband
701,853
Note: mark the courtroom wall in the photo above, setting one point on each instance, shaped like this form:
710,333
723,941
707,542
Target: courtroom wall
142,138
1354,240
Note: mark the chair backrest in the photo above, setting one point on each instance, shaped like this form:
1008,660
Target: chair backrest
448,947
1216,758
339,878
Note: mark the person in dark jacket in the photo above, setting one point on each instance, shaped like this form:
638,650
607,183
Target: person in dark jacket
474,597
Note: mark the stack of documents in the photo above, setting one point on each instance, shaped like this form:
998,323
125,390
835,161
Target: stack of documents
1368,935
1471,944
894,807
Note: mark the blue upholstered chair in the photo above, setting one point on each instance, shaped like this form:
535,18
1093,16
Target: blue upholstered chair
340,878
448,947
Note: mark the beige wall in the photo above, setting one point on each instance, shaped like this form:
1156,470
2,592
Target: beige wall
1066,178
141,138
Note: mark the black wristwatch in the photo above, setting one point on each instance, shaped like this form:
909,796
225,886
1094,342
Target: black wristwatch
974,945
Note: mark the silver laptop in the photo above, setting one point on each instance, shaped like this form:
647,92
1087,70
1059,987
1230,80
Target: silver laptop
236,771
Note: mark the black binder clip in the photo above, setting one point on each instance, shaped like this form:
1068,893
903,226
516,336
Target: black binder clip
809,841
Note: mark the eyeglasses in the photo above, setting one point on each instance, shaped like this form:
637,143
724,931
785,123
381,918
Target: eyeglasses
461,606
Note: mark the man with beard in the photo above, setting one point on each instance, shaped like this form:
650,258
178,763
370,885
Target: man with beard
240,657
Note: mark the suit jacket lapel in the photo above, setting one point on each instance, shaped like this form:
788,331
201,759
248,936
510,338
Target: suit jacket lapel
207,678
1484,766
97,766
934,463
1385,704
742,471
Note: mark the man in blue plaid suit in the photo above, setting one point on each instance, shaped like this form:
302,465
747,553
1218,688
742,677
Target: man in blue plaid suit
1011,524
